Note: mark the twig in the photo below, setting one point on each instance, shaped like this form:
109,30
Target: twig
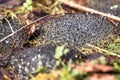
6,37
22,28
103,50
10,25
79,7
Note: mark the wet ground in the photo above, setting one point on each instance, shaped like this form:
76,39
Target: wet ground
71,30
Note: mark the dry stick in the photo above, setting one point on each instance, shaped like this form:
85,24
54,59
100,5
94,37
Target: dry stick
22,28
6,37
74,5
103,50
10,25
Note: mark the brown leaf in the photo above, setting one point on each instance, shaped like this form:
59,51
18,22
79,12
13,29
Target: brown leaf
88,67
81,2
102,77
103,68
11,3
4,75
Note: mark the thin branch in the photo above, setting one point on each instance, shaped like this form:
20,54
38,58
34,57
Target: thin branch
79,7
103,50
10,25
23,28
6,37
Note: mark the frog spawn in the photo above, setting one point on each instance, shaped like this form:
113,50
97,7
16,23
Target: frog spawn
27,60
16,40
74,29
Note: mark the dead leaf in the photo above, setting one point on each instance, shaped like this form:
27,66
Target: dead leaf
81,2
88,67
11,3
4,75
102,77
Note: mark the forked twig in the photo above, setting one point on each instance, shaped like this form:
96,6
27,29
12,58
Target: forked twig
13,32
82,8
10,25
103,50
